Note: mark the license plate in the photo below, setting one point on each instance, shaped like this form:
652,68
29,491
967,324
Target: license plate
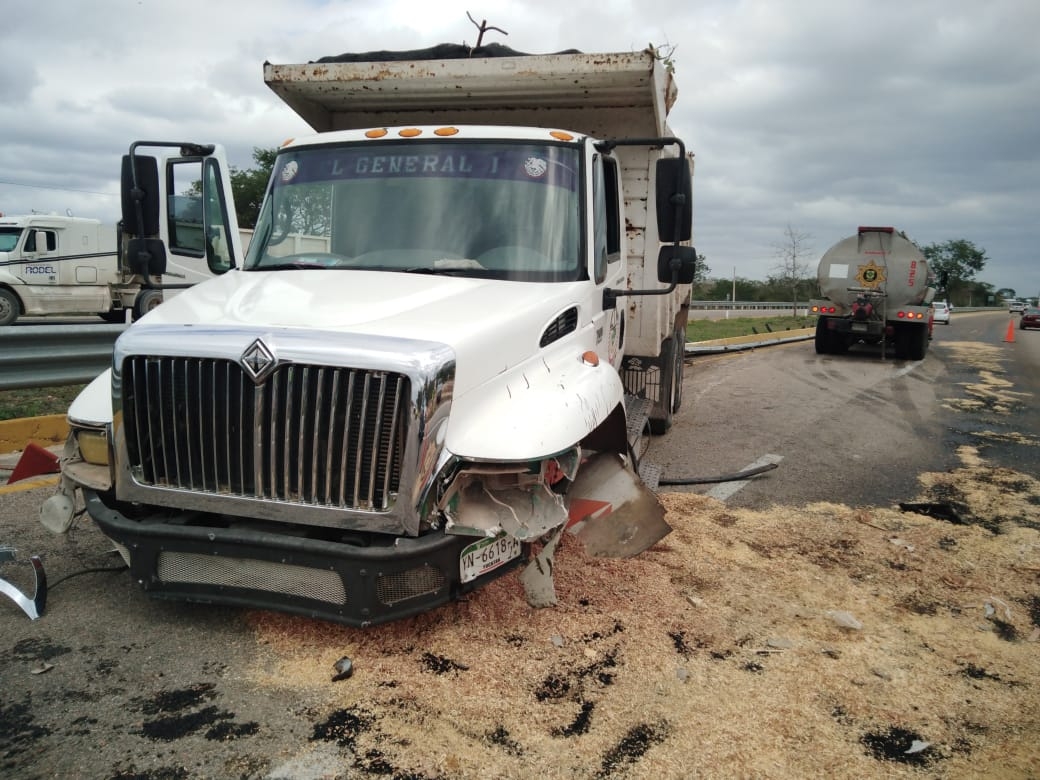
859,326
486,555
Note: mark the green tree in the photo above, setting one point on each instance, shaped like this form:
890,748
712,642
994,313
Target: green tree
722,289
249,186
703,269
958,260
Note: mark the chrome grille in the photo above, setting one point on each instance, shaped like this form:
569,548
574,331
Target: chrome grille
315,435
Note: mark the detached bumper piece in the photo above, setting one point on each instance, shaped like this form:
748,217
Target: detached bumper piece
253,567
32,606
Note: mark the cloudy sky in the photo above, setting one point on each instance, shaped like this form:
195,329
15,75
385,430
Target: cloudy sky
818,114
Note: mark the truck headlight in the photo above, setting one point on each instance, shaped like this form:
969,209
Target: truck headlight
93,447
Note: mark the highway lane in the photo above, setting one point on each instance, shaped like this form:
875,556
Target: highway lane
855,428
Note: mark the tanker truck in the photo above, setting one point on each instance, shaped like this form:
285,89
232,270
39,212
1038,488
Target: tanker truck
876,289
464,301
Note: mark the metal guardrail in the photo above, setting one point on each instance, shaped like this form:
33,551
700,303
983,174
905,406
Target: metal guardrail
801,307
747,305
53,355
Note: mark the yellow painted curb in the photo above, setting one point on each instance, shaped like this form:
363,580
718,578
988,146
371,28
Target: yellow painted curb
763,338
29,484
45,431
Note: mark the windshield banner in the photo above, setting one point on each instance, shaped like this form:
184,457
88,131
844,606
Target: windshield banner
539,164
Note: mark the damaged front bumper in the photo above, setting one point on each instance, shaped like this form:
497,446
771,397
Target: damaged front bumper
359,583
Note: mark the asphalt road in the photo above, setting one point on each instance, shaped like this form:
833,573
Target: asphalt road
855,428
110,684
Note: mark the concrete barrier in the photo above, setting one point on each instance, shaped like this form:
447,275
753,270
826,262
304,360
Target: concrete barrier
46,431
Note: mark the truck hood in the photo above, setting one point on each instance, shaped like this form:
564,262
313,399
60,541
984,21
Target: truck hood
492,325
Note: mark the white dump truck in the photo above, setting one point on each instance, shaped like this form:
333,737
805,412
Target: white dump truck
463,301
876,289
61,265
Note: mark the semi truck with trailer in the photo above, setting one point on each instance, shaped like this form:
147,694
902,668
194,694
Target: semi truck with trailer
876,288
63,265
464,301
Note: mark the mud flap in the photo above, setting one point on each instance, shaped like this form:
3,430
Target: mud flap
612,512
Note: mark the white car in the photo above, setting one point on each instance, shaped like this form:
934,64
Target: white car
1019,306
941,312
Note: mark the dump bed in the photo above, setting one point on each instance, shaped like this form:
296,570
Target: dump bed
603,95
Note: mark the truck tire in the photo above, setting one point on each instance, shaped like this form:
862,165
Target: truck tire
10,307
911,341
823,341
671,374
680,370
918,342
146,301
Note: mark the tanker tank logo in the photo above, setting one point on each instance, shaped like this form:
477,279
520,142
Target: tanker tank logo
871,275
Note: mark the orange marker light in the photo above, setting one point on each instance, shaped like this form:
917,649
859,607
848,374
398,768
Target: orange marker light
446,131
378,132
590,358
559,135
410,132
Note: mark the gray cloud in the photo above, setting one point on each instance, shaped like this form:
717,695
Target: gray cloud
825,115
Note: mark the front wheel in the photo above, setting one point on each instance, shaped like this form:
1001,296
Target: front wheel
146,301
10,307
672,365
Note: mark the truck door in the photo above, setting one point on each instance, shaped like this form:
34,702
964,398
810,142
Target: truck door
608,267
40,264
196,221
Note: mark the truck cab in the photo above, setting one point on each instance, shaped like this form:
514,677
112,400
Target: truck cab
51,264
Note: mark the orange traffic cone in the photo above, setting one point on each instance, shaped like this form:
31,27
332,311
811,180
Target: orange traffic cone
35,460
1010,337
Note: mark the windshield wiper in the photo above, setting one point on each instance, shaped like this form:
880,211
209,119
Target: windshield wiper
448,266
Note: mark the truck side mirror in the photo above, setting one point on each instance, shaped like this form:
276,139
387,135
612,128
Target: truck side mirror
140,201
146,256
674,199
674,259
40,242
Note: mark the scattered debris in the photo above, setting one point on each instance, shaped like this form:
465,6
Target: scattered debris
843,619
344,669
940,511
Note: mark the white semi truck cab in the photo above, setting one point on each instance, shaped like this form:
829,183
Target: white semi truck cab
61,265
55,264
431,362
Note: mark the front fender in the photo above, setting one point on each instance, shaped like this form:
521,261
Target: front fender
93,406
538,410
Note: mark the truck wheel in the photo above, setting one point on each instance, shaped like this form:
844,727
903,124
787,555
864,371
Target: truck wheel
10,307
917,342
146,301
669,373
680,370
823,338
